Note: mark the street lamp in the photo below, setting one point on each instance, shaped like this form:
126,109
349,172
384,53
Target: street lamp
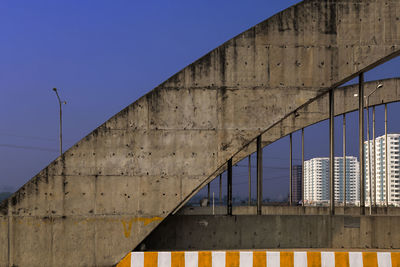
60,103
369,148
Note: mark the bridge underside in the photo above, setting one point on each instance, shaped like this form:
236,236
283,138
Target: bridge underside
103,196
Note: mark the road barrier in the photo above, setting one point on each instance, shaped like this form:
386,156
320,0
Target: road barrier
261,258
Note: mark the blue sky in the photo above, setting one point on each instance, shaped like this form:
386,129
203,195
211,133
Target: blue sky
103,55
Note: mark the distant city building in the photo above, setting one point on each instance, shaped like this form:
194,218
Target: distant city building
297,178
378,170
316,180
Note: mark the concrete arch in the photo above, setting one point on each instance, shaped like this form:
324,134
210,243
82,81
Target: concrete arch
104,195
314,112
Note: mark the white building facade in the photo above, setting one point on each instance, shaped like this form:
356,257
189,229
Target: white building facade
378,171
316,181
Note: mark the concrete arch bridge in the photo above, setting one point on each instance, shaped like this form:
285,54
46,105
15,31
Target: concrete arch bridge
107,193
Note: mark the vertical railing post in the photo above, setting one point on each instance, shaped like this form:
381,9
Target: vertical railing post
208,193
229,204
290,171
249,180
302,166
332,152
374,151
369,162
386,160
361,139
259,175
220,189
344,161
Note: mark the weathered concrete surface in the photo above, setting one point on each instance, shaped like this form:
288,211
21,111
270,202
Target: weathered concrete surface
109,191
317,111
202,232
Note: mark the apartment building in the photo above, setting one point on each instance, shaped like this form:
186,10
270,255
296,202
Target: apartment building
316,181
378,170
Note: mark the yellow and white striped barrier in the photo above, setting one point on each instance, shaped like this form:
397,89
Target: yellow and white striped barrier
261,259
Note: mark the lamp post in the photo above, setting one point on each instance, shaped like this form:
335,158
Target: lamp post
369,149
60,103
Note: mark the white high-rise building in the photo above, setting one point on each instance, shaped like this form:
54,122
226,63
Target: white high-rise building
378,170
316,180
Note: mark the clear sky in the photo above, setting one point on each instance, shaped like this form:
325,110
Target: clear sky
103,55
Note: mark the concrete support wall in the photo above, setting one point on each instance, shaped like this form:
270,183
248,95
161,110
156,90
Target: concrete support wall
104,195
284,210
203,232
